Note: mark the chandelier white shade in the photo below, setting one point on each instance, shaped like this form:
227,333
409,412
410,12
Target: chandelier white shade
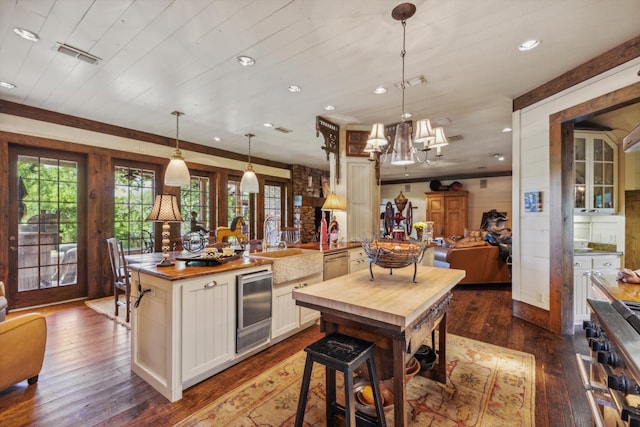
377,136
249,182
424,132
177,173
440,139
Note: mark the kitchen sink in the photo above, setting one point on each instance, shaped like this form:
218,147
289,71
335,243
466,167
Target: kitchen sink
292,263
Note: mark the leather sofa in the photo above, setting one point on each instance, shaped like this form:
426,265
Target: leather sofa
22,344
481,263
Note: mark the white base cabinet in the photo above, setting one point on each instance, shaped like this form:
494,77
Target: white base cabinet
583,268
358,260
287,316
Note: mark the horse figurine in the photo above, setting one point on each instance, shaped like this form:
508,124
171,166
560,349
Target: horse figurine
233,231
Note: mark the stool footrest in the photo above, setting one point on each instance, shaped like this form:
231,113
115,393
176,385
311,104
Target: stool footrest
361,419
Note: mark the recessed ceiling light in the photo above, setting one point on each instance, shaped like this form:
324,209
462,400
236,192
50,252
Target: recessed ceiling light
294,88
498,156
217,139
406,116
268,125
246,61
26,34
506,130
329,107
528,45
7,85
380,90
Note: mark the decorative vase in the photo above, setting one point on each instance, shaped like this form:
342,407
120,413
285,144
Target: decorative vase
419,234
429,229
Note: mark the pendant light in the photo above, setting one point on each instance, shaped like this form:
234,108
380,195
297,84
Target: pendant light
249,182
177,173
403,145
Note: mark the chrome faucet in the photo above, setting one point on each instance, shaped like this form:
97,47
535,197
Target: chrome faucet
270,230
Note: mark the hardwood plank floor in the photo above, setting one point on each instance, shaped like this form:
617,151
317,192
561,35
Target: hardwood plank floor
86,380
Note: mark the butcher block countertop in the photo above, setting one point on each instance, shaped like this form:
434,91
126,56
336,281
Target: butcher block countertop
180,270
616,289
393,300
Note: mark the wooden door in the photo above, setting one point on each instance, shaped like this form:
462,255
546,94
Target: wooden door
47,234
632,225
436,213
456,214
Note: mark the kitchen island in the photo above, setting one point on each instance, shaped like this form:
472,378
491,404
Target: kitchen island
184,328
391,311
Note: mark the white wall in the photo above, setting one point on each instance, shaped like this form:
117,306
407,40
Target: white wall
484,194
531,262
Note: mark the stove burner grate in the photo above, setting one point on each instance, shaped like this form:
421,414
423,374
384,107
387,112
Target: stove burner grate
630,310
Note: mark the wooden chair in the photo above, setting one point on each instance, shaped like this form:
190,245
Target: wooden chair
121,280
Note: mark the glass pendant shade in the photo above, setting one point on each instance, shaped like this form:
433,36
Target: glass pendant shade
249,181
402,149
377,136
440,139
177,173
424,132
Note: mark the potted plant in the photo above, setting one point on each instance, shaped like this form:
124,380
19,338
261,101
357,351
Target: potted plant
419,226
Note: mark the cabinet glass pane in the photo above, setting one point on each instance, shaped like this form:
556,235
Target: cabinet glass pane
608,173
607,197
598,198
579,197
607,152
597,149
580,173
579,149
597,173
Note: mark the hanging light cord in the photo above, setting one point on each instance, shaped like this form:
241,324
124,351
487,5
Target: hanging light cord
249,135
402,54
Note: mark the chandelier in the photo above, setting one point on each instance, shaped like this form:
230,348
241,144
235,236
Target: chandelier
404,152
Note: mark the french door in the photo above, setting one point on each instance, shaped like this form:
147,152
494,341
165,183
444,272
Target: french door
46,227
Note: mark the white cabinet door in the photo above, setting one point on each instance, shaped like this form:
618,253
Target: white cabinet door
285,316
208,324
357,260
306,314
581,288
595,173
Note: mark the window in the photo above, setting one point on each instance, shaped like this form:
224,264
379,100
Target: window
134,192
273,201
238,205
195,199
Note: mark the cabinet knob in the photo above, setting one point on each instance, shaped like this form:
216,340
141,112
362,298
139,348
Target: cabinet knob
211,284
608,264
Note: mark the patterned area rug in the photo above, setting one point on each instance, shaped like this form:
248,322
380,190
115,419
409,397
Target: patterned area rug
486,385
106,306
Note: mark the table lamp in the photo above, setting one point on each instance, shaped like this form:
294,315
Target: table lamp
165,209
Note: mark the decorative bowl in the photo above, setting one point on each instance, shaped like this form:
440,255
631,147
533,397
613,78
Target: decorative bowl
393,254
369,408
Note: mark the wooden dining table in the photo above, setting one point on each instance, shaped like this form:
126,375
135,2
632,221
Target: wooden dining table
393,312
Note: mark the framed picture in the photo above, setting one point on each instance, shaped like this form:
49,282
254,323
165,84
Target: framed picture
533,201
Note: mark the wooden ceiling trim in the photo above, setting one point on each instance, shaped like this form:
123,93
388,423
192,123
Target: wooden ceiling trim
598,65
42,115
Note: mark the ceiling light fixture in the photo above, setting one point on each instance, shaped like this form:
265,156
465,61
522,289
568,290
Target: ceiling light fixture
294,88
528,45
177,173
26,34
267,125
329,107
498,156
506,130
217,139
403,151
246,61
7,85
249,181
380,90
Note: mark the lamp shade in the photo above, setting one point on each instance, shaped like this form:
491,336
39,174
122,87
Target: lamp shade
165,209
440,139
402,149
177,173
377,136
331,203
424,132
249,181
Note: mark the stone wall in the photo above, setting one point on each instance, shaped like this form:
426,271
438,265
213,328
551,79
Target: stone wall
307,213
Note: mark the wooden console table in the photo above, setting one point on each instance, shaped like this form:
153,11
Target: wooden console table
391,311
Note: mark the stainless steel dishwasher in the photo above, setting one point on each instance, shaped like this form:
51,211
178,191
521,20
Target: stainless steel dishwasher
336,264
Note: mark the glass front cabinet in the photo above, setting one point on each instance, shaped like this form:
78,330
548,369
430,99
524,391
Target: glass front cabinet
594,173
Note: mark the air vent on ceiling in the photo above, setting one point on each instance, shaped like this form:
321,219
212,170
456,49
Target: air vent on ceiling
77,53
453,138
283,130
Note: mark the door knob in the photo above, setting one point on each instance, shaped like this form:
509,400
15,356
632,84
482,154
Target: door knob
12,248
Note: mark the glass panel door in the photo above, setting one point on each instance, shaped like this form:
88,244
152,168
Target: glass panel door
45,261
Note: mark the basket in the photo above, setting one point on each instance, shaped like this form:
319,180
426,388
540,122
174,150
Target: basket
394,254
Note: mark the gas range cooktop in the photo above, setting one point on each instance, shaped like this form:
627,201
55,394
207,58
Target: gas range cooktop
630,311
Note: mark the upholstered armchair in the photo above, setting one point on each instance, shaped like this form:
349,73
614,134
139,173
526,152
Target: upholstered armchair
3,303
22,344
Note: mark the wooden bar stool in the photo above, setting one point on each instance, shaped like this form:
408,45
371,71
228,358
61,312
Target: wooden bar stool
342,353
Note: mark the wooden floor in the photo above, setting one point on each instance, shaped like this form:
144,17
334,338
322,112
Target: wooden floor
86,380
